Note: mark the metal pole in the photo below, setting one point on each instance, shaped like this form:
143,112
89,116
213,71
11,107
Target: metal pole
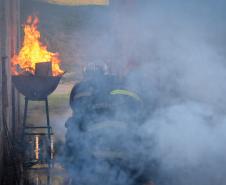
47,118
24,118
49,134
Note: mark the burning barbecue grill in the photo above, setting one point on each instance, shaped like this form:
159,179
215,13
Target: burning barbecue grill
36,73
37,88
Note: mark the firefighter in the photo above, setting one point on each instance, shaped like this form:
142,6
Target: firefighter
99,102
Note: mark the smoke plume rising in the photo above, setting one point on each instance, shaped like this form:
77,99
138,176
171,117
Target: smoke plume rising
178,48
181,74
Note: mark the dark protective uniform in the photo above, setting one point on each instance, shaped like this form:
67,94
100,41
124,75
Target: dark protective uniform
103,111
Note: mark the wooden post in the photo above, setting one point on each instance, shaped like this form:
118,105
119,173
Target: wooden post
9,43
15,46
1,120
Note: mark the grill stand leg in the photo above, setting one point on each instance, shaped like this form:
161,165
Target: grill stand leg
49,134
47,118
24,118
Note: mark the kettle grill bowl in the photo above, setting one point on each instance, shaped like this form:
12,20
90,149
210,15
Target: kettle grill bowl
36,87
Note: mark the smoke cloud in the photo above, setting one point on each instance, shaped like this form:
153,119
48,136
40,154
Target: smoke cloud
180,73
178,49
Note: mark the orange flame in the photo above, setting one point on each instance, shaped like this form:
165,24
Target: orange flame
33,51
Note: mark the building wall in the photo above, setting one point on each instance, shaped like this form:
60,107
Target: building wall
9,42
1,129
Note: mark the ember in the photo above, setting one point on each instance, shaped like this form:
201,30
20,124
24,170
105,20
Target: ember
33,52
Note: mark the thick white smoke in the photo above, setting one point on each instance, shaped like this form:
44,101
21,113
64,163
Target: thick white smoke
185,79
190,143
179,49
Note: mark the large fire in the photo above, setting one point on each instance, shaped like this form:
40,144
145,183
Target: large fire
33,51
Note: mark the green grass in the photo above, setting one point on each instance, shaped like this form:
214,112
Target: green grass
58,102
